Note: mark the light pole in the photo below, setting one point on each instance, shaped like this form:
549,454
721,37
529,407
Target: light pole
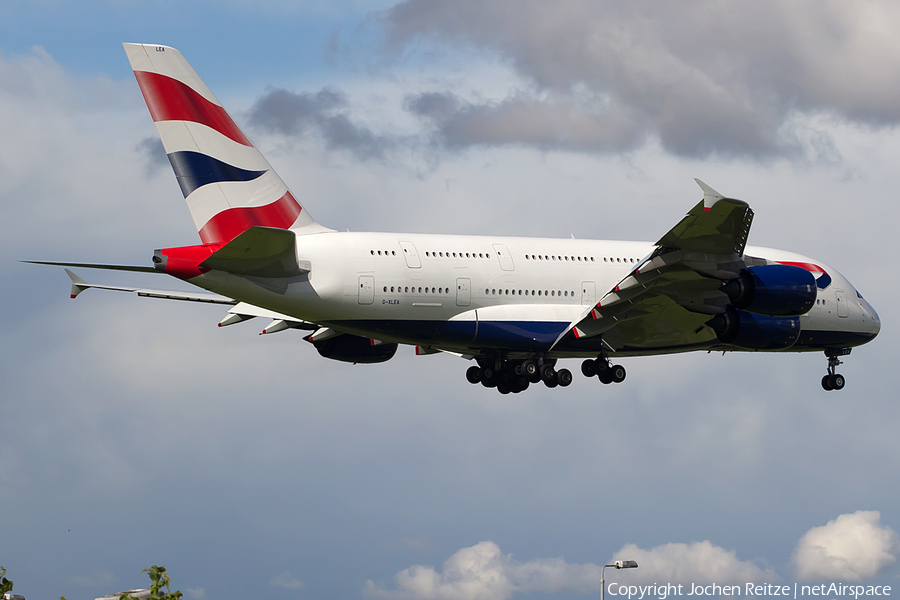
619,564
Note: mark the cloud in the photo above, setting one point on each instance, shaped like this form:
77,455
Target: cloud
483,572
154,152
287,581
697,562
852,547
703,79
560,124
325,113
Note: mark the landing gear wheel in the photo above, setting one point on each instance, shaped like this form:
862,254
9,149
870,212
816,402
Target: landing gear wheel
834,381
548,373
605,376
837,381
564,377
617,373
589,368
553,381
473,374
489,377
504,388
530,369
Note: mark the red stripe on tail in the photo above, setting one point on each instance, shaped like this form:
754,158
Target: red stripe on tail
171,100
230,223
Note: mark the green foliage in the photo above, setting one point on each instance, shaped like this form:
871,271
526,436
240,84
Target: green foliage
5,584
160,580
158,576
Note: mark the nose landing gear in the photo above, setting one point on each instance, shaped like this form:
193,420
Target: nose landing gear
834,381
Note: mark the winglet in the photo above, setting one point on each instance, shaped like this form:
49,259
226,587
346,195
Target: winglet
710,196
78,284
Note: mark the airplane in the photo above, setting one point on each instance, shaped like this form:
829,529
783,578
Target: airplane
513,305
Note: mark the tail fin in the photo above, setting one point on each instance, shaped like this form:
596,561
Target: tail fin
228,185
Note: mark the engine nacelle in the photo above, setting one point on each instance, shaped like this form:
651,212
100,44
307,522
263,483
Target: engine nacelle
355,349
755,332
773,290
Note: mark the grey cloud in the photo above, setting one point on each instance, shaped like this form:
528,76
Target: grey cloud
153,151
722,79
525,120
291,113
435,105
324,113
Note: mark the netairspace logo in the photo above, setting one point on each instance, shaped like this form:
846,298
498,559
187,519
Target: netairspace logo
796,591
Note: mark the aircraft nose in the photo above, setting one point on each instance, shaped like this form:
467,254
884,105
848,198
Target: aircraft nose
876,319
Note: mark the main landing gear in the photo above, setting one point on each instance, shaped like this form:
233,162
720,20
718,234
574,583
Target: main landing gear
603,368
514,376
834,381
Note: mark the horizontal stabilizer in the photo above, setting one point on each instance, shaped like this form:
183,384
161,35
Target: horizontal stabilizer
259,252
136,269
79,285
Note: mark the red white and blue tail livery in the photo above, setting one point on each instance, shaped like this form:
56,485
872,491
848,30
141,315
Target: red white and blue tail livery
514,306
228,185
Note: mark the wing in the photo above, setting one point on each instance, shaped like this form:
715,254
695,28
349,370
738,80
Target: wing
666,301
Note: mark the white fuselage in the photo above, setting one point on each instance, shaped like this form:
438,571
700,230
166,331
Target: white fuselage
429,289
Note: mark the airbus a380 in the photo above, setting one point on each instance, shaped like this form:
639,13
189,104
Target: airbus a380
515,306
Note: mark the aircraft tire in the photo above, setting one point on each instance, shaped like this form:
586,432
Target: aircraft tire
589,368
473,374
837,381
564,376
504,388
548,373
617,373
530,369
489,377
605,376
553,381
826,383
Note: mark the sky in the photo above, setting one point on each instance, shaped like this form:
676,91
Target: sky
136,432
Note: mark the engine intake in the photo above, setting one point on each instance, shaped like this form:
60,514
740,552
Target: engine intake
355,349
755,332
773,290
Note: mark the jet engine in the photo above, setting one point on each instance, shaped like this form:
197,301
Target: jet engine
773,290
755,332
355,349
